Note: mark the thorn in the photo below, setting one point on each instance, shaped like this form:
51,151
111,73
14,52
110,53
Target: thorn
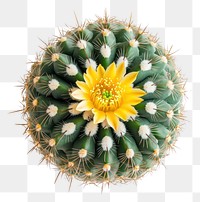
57,177
70,184
43,41
33,148
15,111
130,20
43,158
27,136
76,20
102,188
21,124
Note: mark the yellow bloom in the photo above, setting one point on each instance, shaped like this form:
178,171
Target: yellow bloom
108,94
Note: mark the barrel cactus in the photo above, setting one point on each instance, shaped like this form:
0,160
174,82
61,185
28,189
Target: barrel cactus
103,102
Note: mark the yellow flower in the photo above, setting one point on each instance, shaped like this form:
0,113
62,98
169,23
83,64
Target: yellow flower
108,94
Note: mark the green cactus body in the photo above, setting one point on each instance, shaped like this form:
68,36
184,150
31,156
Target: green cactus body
86,118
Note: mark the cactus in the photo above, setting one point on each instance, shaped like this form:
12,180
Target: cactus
104,102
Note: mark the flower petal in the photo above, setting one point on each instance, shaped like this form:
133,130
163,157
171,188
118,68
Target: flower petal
91,73
121,114
110,71
125,111
80,95
121,70
83,86
100,71
88,80
84,105
129,78
99,116
132,100
136,92
112,120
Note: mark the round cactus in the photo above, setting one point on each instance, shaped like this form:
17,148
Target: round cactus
103,102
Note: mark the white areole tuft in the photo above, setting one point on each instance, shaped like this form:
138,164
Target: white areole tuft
133,117
53,84
68,128
72,109
88,115
154,44
105,32
134,43
105,124
105,51
55,57
107,143
170,114
106,167
164,59
151,107
63,39
128,29
170,85
121,130
145,65
144,131
82,153
90,62
130,153
36,79
122,59
81,44
71,69
71,90
149,87
91,128
52,110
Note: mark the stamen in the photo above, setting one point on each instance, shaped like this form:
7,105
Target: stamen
107,94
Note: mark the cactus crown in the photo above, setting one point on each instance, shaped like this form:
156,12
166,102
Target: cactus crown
104,101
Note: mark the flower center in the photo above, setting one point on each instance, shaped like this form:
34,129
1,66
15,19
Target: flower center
107,94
